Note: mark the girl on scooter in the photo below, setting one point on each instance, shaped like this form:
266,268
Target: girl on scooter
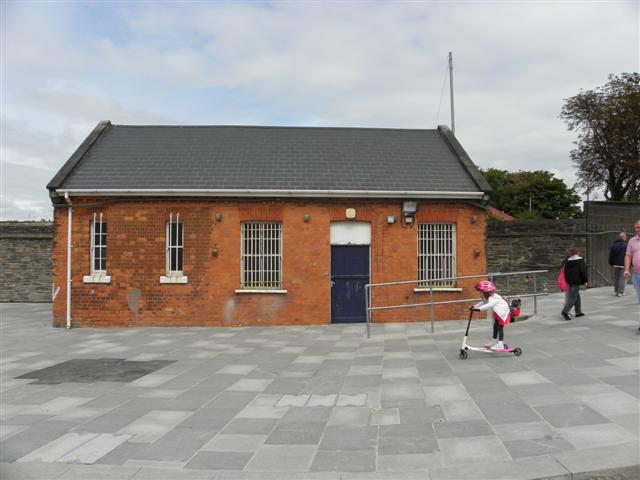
498,310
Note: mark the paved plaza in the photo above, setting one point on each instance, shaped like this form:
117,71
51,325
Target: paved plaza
323,402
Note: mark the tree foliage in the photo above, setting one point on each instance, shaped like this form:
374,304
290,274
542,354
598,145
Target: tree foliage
550,196
607,153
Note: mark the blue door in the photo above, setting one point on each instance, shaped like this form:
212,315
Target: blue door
349,275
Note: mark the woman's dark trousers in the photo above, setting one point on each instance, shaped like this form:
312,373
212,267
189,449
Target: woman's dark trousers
572,299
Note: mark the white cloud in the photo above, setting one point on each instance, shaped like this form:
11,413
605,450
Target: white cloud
342,64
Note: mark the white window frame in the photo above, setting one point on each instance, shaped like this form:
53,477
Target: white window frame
97,275
261,257
437,241
174,242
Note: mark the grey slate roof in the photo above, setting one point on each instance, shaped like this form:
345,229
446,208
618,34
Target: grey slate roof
269,158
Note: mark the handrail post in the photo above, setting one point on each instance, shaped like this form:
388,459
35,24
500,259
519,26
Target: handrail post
367,298
535,291
432,305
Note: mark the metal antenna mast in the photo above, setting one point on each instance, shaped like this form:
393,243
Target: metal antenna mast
453,118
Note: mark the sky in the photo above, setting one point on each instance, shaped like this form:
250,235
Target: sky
65,66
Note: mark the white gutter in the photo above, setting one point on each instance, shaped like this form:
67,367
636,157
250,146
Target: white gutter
189,192
69,219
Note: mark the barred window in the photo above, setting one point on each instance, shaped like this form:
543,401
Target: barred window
436,253
261,255
98,245
175,245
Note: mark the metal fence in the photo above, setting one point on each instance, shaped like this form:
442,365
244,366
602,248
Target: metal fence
430,285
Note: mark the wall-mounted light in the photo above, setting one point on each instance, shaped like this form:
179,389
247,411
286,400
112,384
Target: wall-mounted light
218,217
306,217
409,209
476,252
391,219
350,213
474,219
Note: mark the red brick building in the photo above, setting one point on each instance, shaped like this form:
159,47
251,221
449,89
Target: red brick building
229,226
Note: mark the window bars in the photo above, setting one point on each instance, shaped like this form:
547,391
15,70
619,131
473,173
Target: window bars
261,255
98,245
175,245
436,254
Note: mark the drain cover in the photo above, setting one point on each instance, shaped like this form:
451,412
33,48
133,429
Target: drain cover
90,370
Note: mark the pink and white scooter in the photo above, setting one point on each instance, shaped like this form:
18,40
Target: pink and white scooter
464,349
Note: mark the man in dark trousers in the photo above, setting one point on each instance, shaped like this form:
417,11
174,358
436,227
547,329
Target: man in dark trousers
616,260
575,273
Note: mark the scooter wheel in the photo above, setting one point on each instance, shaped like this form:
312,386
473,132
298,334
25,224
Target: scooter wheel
517,352
463,354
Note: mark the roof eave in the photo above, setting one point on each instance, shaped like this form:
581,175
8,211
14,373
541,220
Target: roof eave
466,161
188,192
77,156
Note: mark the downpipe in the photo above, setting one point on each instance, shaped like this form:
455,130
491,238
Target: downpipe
69,246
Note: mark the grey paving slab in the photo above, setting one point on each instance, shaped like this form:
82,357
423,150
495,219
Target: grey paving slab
592,436
542,467
345,461
32,471
462,429
500,411
219,460
349,438
289,458
536,447
385,416
98,472
296,433
570,414
309,414
420,462
421,414
463,450
94,449
178,445
153,473
250,426
407,439
350,416
121,454
461,410
403,397
600,458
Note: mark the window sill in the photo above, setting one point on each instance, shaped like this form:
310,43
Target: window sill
174,279
96,279
436,289
257,290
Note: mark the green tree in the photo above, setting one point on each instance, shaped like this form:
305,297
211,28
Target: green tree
528,195
607,153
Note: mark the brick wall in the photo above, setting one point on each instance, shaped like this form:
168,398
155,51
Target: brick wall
136,260
25,252
25,261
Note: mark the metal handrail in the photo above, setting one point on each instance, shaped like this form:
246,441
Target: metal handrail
368,291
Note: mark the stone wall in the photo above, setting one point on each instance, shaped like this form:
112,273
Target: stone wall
526,245
614,216
25,261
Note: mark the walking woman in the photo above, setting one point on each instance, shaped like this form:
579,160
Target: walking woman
575,273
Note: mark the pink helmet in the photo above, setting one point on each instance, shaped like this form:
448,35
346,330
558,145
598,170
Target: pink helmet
485,286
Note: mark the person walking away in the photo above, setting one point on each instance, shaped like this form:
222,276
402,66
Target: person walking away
498,310
575,273
616,261
632,258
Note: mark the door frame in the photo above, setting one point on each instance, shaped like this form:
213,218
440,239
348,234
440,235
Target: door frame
358,237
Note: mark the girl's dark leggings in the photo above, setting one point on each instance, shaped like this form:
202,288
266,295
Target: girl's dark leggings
498,330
